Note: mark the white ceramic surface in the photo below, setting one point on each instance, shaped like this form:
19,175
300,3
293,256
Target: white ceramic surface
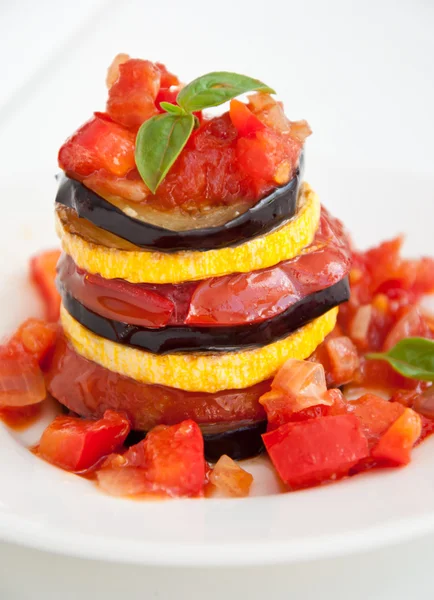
363,82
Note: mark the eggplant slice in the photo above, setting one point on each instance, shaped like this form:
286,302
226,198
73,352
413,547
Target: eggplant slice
267,214
174,339
237,440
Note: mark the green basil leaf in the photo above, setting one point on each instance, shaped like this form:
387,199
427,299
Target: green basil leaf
412,357
173,109
159,142
216,88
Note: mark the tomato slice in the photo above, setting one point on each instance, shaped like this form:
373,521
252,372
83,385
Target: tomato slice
88,389
116,299
236,299
310,452
98,144
43,274
78,444
170,460
253,297
21,379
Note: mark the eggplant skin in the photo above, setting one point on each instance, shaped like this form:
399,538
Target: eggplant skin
267,214
236,440
185,339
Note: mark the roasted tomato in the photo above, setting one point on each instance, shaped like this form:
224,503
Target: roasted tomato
43,274
88,389
310,452
98,144
37,338
235,299
132,96
21,379
78,444
170,460
394,447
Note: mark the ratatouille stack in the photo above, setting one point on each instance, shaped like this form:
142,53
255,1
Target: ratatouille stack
196,261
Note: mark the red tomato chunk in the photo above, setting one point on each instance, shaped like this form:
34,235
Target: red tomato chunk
394,447
43,274
78,444
21,379
170,460
310,452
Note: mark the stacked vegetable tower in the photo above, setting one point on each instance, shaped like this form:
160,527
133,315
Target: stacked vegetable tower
195,262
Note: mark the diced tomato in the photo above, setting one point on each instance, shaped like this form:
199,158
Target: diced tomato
43,274
244,120
132,96
229,478
37,338
343,360
395,445
166,95
77,444
98,144
376,415
411,324
170,460
168,79
297,386
21,379
317,450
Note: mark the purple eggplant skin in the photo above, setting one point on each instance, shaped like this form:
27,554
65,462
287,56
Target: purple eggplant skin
266,215
236,440
185,339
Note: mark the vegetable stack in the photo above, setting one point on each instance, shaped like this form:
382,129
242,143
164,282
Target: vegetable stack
196,261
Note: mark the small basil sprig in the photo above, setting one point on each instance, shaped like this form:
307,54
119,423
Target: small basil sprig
412,357
161,139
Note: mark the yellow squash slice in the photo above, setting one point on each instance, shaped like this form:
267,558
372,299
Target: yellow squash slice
143,266
196,372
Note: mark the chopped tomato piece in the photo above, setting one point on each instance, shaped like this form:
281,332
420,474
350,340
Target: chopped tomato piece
98,144
170,460
317,450
228,477
395,445
343,360
132,96
43,274
36,337
21,379
244,120
78,444
411,324
376,415
297,386
301,380
167,79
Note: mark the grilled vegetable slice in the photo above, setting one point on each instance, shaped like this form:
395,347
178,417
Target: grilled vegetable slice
139,266
188,339
208,373
148,231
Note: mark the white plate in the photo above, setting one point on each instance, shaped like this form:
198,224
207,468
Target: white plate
44,507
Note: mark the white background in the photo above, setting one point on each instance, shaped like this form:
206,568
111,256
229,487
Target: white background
360,72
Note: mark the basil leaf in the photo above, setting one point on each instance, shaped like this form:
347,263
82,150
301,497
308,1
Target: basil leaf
172,108
412,357
216,88
159,142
